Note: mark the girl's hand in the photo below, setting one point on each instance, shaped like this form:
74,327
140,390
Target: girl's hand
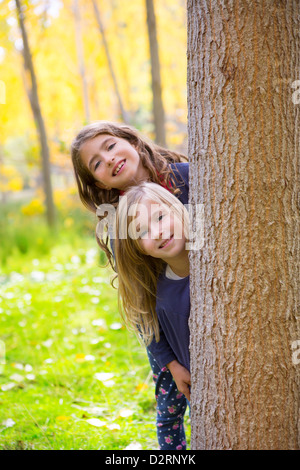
182,377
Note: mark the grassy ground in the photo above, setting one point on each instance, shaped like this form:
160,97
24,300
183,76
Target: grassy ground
73,378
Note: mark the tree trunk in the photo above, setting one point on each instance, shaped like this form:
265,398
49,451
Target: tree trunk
243,58
80,56
158,108
123,113
37,113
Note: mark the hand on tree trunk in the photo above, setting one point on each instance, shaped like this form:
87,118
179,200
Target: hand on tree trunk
182,377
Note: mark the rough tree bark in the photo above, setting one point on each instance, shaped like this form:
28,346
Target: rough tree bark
32,91
158,108
243,57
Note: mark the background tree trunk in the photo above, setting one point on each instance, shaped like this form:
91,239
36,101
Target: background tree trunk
158,108
123,113
32,91
243,57
80,56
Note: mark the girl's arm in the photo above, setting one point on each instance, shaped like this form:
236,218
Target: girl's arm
162,351
181,376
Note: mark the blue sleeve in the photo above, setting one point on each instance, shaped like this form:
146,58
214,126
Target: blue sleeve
161,350
181,172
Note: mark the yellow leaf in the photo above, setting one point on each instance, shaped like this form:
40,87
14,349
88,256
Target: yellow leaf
63,418
33,208
79,357
15,184
142,386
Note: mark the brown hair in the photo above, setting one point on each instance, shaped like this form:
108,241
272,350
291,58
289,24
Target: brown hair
154,158
138,272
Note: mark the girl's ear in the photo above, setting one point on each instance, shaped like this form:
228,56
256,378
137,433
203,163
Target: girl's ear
101,186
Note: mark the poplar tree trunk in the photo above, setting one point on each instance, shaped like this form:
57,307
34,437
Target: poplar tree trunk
243,57
123,113
32,91
80,56
158,108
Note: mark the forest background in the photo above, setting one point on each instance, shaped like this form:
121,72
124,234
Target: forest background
71,376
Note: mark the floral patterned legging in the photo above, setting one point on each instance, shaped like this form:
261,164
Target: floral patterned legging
171,406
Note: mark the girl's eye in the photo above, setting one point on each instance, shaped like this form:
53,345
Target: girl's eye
97,164
111,146
160,216
143,234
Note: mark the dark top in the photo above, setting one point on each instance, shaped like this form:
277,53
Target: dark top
173,311
173,300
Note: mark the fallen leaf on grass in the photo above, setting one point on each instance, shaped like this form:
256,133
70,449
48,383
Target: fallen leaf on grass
134,446
79,357
84,357
96,422
142,386
116,326
124,413
17,377
30,377
92,410
96,410
109,383
17,365
48,361
89,357
7,387
8,423
63,418
113,427
99,322
103,376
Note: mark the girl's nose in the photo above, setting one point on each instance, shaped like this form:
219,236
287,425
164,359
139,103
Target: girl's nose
110,160
157,233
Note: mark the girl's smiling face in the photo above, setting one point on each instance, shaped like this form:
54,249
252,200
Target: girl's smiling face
113,162
160,232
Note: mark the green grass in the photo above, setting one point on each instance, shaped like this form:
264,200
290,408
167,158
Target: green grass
60,325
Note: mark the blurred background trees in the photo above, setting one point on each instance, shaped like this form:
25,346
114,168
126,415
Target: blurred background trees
92,61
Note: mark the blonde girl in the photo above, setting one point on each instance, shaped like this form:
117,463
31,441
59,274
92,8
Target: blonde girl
154,303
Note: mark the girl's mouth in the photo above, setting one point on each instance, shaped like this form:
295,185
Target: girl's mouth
166,242
119,168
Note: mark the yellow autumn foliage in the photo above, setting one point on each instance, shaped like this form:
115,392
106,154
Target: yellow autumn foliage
10,179
53,39
34,207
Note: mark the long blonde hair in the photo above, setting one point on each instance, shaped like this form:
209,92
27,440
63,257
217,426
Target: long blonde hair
138,272
154,158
